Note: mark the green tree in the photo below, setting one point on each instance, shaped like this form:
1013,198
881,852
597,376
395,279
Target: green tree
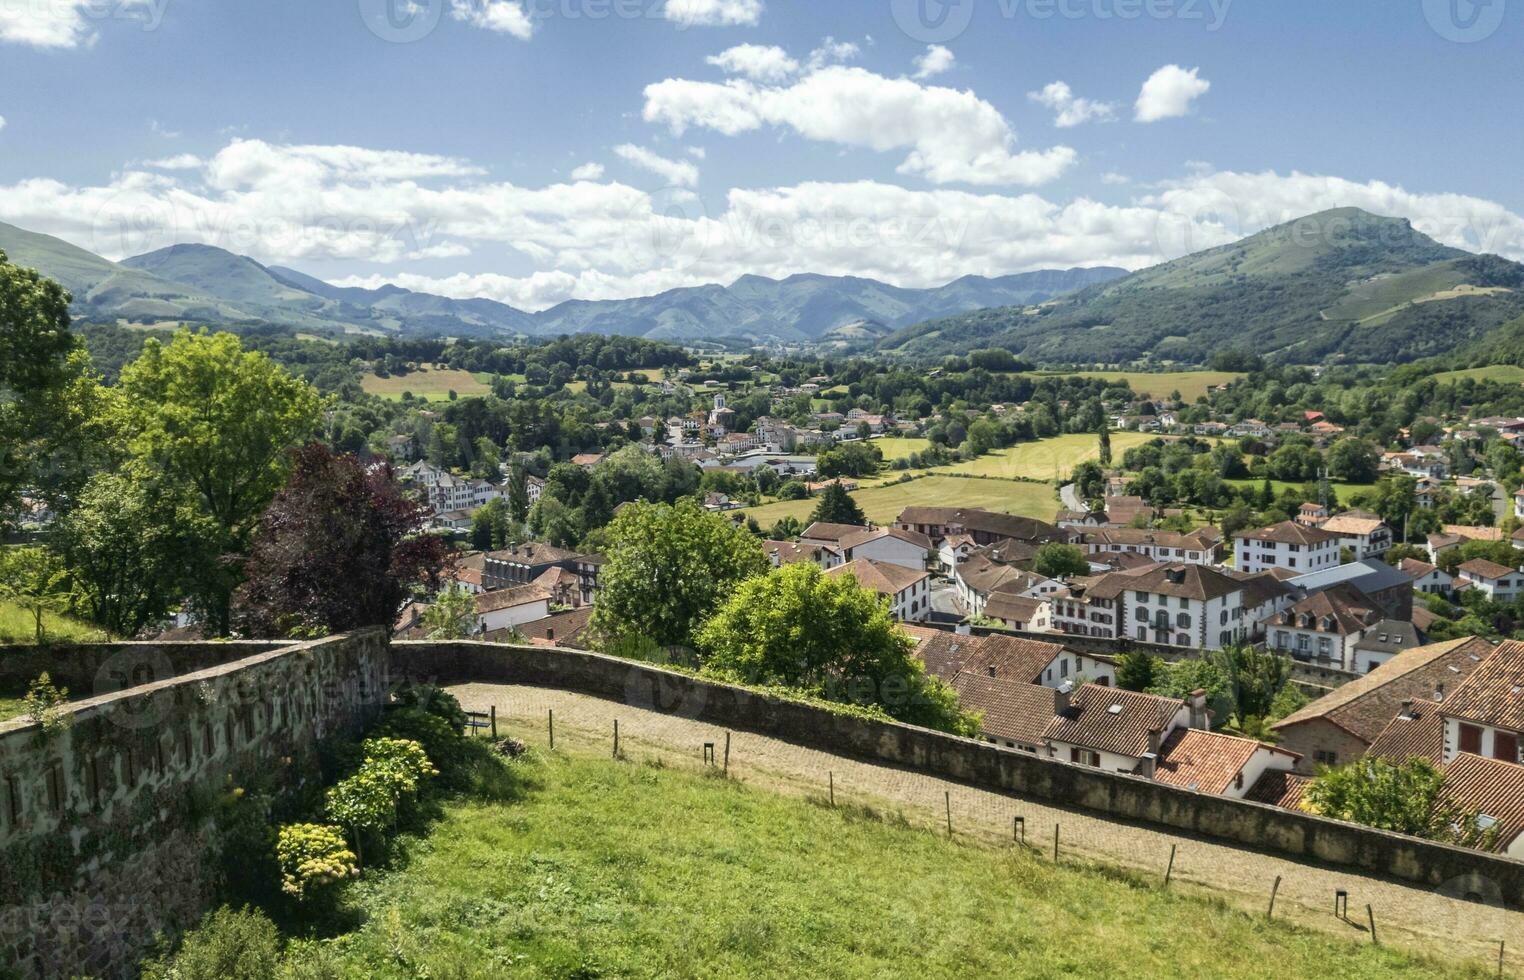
828,637
1057,560
134,549
518,492
46,393
1137,670
1179,679
203,413
836,506
1254,678
36,580
452,615
668,567
1354,460
1105,444
489,525
1407,797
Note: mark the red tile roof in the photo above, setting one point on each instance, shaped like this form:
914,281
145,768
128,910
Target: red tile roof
1109,719
1208,762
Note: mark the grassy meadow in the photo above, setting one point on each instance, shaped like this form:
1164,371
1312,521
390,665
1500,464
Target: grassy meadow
1504,373
16,626
882,504
597,868
428,383
1190,384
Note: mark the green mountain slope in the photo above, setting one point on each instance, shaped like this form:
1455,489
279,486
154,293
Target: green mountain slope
1342,283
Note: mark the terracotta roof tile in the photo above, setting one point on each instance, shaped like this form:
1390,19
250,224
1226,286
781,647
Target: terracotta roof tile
1278,788
1109,719
1012,710
1493,788
1493,693
1208,762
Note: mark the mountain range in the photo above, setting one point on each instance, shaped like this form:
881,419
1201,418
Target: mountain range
1342,284
204,284
1339,284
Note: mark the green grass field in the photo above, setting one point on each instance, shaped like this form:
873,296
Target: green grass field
1505,373
1342,491
429,384
882,504
597,868
900,447
16,626
1190,384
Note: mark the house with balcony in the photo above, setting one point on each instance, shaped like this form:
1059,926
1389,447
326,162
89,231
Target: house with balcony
1291,545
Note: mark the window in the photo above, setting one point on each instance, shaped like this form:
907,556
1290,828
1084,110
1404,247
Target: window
1470,738
1183,620
1505,746
1141,613
1326,758
1182,640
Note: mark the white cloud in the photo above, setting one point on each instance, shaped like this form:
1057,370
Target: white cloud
180,161
1112,178
762,63
677,172
713,13
502,16
697,152
588,171
1069,109
1168,93
934,61
2,122
832,51
952,136
64,24
376,210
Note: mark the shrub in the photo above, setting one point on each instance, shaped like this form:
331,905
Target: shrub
400,760
444,745
228,945
312,857
434,700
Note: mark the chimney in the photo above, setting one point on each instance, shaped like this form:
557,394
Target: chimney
991,670
1064,693
1196,702
1147,765
1407,709
550,633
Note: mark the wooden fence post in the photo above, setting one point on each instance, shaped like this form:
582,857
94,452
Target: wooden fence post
1171,869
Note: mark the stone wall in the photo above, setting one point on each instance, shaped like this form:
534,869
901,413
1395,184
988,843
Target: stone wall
976,763
111,825
88,669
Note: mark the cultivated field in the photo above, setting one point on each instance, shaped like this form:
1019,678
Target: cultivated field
429,384
882,504
648,868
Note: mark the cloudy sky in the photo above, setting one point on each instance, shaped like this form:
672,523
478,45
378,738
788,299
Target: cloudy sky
535,151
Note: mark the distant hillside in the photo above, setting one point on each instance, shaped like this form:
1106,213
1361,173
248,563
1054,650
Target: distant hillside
802,308
1341,283
205,284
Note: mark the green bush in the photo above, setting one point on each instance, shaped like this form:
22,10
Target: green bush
444,744
229,944
434,700
312,857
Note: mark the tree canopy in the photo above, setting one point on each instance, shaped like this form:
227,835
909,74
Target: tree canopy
668,567
828,637
339,548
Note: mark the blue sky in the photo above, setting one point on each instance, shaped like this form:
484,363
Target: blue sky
539,150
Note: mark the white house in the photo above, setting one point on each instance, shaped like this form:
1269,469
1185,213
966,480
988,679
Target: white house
1117,730
883,544
1499,582
1427,577
908,591
1364,534
1289,544
1324,627
1218,764
503,609
1183,605
1198,547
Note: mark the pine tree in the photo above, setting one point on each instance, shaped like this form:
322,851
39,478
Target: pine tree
1105,444
836,506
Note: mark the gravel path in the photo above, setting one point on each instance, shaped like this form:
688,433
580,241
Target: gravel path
1424,919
